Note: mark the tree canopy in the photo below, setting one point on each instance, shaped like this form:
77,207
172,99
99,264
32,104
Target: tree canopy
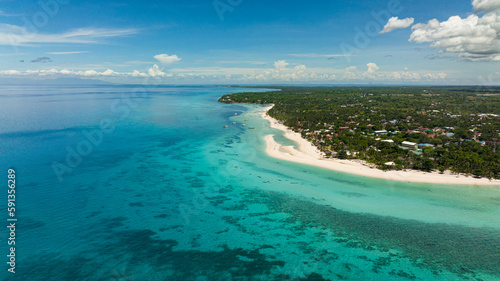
456,128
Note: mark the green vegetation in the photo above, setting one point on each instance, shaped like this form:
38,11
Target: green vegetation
452,128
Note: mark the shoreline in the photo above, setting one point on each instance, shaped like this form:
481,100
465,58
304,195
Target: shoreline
308,154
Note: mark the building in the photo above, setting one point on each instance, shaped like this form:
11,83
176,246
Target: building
410,145
381,132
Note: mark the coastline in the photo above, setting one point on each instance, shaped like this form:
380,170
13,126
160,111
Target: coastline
309,155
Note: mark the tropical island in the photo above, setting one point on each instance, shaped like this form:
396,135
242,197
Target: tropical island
453,129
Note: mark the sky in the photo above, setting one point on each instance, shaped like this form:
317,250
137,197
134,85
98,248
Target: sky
443,42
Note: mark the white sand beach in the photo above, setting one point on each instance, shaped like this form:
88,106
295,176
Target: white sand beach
308,154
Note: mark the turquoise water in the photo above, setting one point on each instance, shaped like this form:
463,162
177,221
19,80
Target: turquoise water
168,194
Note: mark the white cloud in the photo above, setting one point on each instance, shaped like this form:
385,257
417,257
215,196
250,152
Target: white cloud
435,76
485,5
299,73
71,73
155,71
11,72
372,67
395,23
473,38
166,59
136,73
109,72
21,36
281,64
349,73
374,73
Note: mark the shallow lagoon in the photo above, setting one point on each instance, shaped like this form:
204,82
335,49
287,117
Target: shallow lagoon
172,195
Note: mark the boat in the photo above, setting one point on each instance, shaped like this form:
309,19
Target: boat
251,128
244,125
226,126
234,123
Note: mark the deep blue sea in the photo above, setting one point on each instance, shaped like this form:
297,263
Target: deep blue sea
145,183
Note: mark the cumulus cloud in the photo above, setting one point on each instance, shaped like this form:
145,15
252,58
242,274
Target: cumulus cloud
414,76
281,64
474,38
42,60
349,73
71,73
109,72
281,73
155,71
166,59
21,36
396,23
485,5
374,73
372,67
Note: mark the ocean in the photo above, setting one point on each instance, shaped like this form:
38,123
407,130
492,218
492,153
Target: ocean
121,182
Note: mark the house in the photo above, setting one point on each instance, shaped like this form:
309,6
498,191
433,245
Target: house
381,132
389,141
410,145
329,153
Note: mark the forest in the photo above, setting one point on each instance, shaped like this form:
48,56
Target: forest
421,128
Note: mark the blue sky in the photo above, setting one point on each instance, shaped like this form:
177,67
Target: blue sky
253,42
